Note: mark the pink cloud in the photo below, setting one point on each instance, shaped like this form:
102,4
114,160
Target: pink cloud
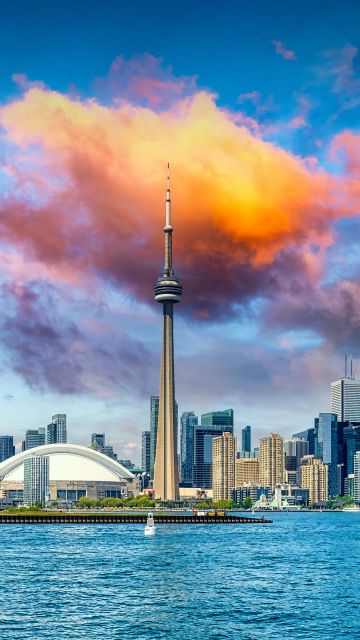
282,51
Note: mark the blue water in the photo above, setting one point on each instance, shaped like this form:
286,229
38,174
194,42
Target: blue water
296,578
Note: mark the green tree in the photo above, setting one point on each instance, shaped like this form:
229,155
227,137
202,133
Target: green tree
247,503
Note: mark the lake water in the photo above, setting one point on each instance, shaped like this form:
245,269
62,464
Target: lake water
296,578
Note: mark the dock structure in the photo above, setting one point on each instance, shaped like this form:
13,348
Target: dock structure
48,517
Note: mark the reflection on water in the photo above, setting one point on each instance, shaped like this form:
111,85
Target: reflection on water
296,578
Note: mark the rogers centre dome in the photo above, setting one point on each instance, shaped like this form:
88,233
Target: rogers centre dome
72,468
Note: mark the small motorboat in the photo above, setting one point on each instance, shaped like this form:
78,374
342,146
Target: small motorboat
150,525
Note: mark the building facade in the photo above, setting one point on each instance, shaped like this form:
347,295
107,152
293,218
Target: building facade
36,479
272,460
246,438
145,451
295,449
33,438
326,447
356,486
247,471
188,421
98,441
314,477
351,437
7,449
309,436
224,449
202,455
57,429
345,399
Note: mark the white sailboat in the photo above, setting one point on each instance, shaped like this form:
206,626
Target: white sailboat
150,525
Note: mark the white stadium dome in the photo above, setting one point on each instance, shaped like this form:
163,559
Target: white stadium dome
71,462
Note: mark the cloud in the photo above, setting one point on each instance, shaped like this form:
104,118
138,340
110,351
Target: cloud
239,202
69,356
282,51
84,213
143,80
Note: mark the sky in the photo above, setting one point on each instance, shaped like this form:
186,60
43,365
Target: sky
256,107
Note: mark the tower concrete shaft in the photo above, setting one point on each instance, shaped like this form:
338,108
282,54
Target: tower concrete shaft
168,291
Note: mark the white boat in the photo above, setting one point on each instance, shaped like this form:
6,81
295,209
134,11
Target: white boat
150,526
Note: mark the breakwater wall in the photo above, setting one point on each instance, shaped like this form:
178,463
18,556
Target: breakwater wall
46,517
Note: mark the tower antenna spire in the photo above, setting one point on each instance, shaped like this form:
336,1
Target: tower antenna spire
346,366
168,268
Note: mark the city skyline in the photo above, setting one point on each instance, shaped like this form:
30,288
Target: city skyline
265,176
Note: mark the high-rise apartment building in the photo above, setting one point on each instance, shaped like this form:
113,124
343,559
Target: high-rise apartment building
212,425
326,447
308,435
345,399
356,481
224,449
295,449
7,449
56,432
98,441
145,451
272,460
247,471
36,479
33,438
188,421
351,435
246,438
314,476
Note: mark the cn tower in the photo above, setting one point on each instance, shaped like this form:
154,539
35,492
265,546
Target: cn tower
167,291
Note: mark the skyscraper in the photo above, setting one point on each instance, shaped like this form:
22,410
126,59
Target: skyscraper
224,417
223,465
314,476
7,449
36,479
188,421
295,449
168,291
307,434
33,438
326,447
56,430
246,438
145,451
351,434
271,460
204,434
98,441
345,396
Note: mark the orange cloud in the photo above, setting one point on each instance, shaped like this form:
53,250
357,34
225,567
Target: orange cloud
238,200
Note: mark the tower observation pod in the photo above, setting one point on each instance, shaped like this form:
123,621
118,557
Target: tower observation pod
167,291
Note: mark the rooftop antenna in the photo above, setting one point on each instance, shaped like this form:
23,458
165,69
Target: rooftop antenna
346,375
351,368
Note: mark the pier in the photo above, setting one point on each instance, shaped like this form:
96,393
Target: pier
48,517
